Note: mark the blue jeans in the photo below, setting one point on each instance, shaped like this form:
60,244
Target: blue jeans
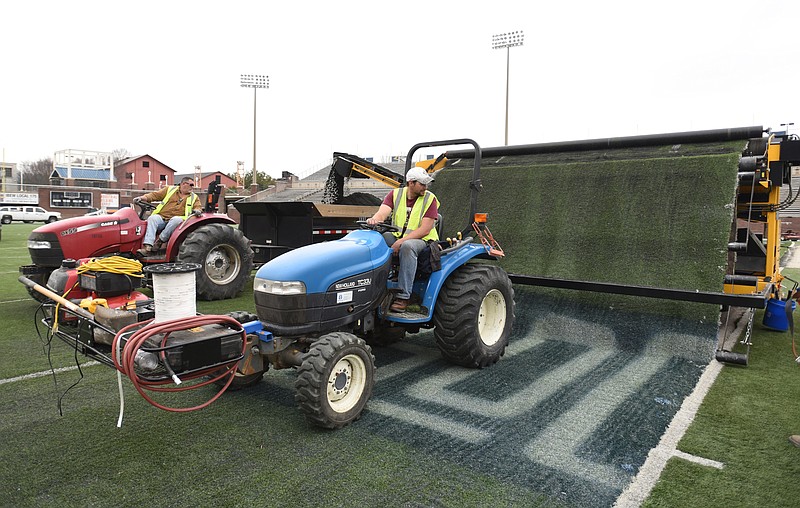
156,224
409,252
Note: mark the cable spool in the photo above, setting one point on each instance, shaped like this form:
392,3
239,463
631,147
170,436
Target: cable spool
174,290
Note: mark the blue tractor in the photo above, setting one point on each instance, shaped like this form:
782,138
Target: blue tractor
321,306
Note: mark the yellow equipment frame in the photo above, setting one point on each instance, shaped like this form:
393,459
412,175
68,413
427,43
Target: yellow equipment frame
757,205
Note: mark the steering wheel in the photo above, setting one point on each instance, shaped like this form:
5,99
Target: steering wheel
380,227
144,206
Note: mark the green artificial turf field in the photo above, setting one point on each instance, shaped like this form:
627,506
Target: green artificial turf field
587,387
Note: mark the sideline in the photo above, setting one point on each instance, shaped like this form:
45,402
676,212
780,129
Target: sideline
47,373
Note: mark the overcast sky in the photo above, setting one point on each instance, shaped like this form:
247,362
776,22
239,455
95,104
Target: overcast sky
373,78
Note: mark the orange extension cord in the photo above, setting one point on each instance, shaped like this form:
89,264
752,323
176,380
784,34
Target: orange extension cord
125,362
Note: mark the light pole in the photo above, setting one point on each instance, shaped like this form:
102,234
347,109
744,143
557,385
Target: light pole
507,40
254,81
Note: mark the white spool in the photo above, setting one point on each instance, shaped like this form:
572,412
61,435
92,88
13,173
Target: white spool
174,292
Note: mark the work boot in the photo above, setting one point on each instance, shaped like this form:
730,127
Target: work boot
158,244
145,250
795,440
399,305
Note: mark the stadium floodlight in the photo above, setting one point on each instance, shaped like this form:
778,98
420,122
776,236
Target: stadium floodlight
254,81
507,40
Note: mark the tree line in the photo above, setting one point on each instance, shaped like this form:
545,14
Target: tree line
38,172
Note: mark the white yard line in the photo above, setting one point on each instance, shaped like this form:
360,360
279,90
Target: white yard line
699,460
15,301
46,373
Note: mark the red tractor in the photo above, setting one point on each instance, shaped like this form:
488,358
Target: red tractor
207,239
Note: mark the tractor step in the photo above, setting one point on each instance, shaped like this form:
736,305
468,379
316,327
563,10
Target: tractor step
409,314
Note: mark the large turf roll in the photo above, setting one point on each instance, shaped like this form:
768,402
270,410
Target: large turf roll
657,216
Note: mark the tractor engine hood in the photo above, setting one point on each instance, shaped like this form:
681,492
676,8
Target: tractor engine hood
323,286
319,266
81,237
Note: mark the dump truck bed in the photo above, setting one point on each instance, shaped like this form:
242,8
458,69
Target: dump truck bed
278,227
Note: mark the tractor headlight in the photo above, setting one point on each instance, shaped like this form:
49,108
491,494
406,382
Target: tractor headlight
38,244
279,287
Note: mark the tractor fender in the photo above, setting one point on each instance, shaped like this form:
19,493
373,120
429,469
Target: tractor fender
189,225
450,263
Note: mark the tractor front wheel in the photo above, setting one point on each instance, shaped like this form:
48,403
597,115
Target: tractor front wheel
225,258
335,380
474,314
41,279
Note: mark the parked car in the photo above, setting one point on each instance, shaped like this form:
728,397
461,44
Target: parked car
27,214
790,235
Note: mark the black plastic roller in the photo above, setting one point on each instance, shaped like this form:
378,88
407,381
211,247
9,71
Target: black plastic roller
731,358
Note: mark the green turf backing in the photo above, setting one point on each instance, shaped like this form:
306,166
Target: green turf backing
659,221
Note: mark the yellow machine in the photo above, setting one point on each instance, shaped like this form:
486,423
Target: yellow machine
765,166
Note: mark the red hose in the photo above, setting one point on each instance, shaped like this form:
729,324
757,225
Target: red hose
125,363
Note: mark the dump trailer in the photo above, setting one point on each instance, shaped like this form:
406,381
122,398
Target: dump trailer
283,224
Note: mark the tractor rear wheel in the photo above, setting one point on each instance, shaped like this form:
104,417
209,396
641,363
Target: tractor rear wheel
474,314
335,380
225,258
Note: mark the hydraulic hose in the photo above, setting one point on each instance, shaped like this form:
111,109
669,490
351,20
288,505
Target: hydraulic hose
124,357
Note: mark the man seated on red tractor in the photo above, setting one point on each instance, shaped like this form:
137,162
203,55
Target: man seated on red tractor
178,202
414,211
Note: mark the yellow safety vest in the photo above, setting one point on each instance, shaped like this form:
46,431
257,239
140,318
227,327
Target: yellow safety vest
187,210
408,223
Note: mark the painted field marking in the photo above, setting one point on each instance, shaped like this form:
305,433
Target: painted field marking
434,388
698,460
431,422
17,301
420,356
47,373
557,445
641,486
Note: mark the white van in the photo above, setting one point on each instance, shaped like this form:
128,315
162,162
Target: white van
27,214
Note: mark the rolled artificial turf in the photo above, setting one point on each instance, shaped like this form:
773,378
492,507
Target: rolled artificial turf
652,216
645,217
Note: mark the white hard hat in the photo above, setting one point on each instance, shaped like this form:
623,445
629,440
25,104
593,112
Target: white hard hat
417,174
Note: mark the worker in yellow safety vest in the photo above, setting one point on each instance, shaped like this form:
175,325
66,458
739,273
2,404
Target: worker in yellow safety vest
178,202
413,210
